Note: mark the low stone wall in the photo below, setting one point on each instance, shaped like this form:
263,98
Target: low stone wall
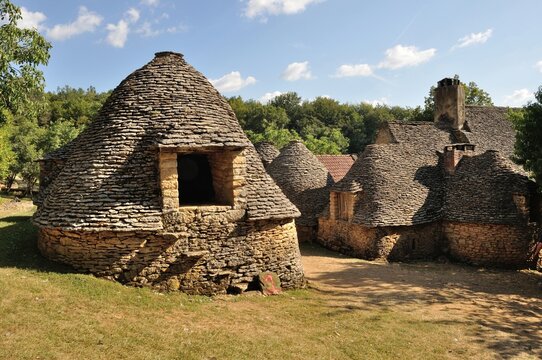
346,237
390,243
488,244
409,242
306,233
209,254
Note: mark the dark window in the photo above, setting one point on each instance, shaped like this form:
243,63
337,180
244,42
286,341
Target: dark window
195,180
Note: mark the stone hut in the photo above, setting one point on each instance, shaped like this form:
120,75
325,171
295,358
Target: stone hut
305,181
426,189
164,189
267,152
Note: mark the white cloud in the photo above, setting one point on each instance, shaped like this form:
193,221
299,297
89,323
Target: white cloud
87,21
150,2
296,71
146,30
538,66
376,102
118,34
401,56
267,97
232,82
30,19
132,15
350,70
519,97
474,38
261,8
177,29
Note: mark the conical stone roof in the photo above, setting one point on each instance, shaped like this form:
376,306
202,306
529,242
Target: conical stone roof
303,179
267,152
110,180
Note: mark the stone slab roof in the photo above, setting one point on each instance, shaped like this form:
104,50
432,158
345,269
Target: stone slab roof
401,181
265,200
110,180
337,165
303,179
489,129
482,188
392,191
267,152
420,134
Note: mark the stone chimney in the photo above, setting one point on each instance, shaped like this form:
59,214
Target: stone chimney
450,104
453,154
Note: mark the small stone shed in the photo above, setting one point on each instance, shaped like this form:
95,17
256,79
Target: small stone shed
164,189
267,152
305,181
426,189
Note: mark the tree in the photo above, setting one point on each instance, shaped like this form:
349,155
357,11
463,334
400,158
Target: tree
25,136
331,142
6,152
21,52
528,125
76,106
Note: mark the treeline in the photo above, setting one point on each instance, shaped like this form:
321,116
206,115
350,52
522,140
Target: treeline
54,119
326,126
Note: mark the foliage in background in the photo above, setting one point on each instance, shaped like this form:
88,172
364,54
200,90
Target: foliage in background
528,146
326,126
21,52
31,135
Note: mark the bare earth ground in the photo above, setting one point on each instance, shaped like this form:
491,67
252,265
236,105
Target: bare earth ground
505,306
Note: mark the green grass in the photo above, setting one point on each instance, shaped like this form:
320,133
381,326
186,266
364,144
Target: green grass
47,311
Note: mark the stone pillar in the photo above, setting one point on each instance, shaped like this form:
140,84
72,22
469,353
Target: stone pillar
169,180
450,104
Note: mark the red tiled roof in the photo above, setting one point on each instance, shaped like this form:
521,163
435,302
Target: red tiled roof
337,165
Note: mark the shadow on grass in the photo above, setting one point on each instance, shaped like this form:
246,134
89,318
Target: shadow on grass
504,305
18,246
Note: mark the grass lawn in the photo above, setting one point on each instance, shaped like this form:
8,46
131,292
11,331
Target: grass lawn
47,311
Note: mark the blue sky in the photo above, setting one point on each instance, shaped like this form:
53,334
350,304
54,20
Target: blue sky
350,50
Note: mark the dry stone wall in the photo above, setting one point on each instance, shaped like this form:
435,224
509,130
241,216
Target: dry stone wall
207,255
488,244
390,243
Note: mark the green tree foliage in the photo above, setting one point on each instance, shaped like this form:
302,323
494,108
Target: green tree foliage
528,125
476,96
30,135
21,52
25,136
7,156
76,106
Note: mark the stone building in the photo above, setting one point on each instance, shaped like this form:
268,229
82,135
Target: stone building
267,152
426,189
305,181
164,189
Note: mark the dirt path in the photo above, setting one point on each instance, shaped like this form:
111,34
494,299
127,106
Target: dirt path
505,306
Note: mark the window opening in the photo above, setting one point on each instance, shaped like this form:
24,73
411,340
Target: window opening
195,180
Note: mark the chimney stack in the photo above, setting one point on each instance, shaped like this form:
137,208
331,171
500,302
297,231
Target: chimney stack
453,154
450,104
